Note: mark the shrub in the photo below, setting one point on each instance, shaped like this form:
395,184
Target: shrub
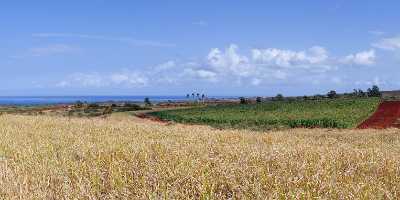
332,94
279,97
78,104
129,107
147,101
359,93
243,100
374,92
93,105
108,110
319,97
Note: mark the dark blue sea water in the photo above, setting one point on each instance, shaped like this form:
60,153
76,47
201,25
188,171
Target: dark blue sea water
45,100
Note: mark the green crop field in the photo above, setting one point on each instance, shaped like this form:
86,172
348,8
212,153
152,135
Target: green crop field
337,113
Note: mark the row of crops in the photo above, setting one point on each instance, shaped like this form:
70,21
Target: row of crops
336,113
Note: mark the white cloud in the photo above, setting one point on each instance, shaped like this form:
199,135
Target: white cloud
229,61
127,40
201,74
258,67
256,81
165,66
133,79
266,65
200,23
289,58
280,75
88,80
62,84
337,80
361,58
119,78
375,81
376,32
388,43
127,79
53,49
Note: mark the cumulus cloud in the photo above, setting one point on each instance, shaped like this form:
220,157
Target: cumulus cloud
337,80
375,81
89,80
256,67
129,79
201,74
229,61
165,66
376,32
289,58
361,58
256,81
392,43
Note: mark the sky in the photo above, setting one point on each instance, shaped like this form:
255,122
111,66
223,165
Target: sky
175,47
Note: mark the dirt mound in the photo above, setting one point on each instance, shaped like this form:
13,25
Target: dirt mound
386,116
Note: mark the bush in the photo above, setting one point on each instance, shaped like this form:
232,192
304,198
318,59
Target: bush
147,101
93,105
243,100
258,99
133,106
315,123
108,110
359,93
78,104
374,92
332,94
129,107
279,97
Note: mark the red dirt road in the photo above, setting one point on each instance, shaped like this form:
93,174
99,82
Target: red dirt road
386,116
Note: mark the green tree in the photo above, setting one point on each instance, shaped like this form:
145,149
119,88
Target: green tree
279,97
78,104
332,94
360,93
243,100
374,91
147,101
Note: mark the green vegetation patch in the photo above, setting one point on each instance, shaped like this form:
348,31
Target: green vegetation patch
335,113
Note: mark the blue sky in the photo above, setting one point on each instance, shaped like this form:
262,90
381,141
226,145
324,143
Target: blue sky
103,47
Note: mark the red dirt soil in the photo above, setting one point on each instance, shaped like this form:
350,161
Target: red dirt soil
152,118
386,116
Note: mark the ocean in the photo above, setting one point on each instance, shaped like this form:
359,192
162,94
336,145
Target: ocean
46,100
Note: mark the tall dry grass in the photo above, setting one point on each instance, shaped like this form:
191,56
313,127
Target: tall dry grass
57,158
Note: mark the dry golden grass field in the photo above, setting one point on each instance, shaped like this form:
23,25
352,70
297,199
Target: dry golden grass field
125,158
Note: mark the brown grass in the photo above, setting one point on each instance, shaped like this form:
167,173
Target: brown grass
48,157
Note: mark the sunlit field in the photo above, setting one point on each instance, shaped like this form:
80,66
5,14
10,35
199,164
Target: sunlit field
44,157
336,113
